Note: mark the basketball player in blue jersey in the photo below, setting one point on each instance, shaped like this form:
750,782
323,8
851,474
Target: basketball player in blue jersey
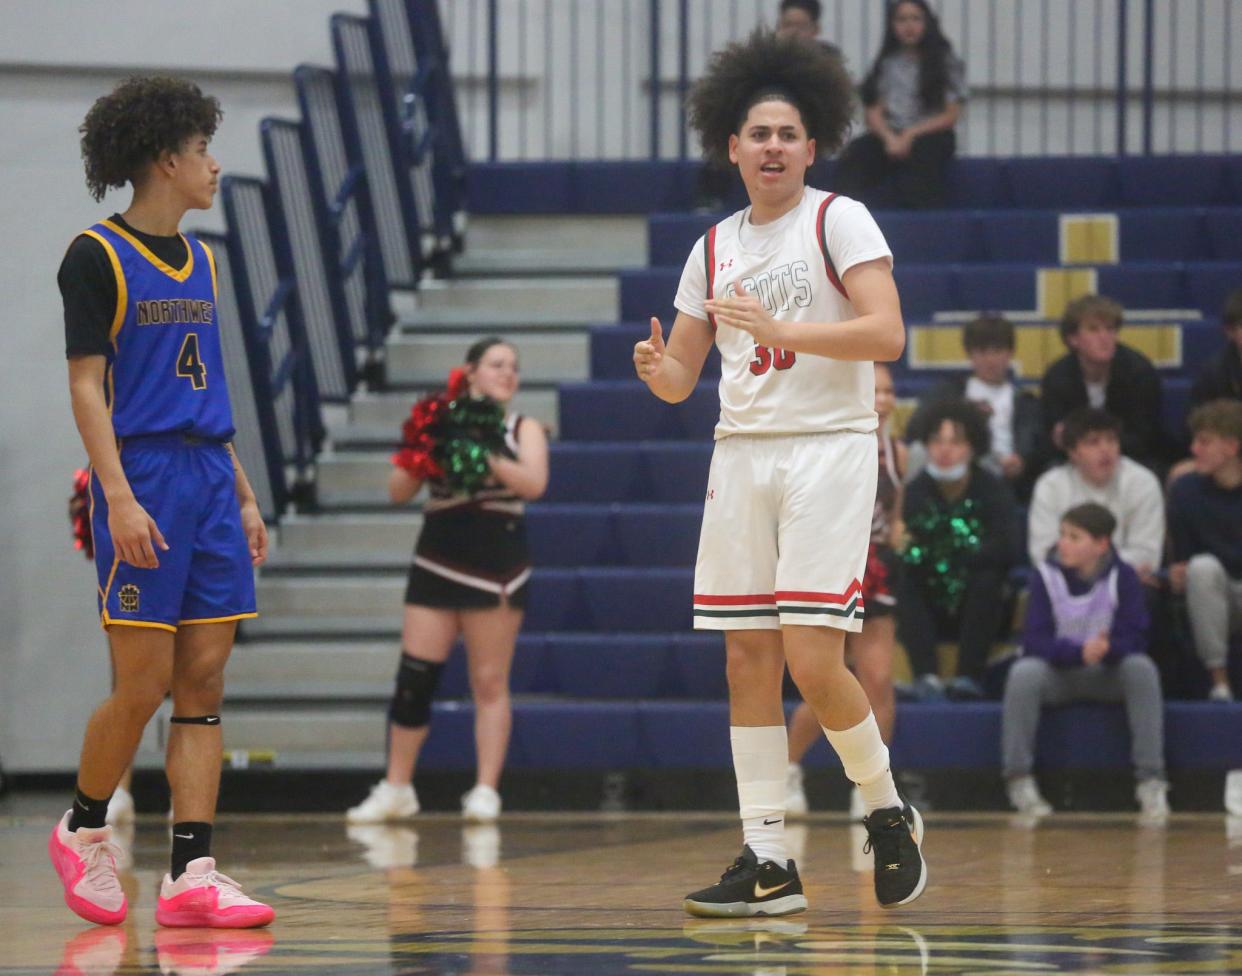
176,527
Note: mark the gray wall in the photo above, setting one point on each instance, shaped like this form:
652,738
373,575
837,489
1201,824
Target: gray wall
56,57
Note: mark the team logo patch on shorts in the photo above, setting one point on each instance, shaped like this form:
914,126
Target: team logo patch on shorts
128,598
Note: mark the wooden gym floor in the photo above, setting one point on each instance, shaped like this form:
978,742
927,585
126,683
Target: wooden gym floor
544,895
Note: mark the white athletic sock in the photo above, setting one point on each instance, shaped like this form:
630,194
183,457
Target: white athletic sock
760,756
865,758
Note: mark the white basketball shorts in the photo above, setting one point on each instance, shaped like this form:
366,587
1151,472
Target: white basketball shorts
785,530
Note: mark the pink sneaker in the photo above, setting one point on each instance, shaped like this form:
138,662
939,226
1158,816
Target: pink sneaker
86,861
204,898
94,952
209,952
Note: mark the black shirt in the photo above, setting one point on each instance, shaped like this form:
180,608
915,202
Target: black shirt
88,287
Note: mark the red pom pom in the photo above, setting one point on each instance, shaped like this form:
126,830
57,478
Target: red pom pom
80,513
418,437
457,382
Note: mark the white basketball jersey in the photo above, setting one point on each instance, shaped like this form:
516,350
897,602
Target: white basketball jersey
794,265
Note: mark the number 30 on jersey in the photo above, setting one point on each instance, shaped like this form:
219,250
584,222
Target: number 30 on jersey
767,357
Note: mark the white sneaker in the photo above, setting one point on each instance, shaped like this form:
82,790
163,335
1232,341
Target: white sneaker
1153,798
858,807
386,847
120,807
1024,796
480,845
385,802
1220,693
795,795
481,804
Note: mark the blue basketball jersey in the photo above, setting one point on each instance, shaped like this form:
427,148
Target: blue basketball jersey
165,373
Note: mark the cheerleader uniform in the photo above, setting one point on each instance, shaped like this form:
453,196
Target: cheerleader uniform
472,551
879,583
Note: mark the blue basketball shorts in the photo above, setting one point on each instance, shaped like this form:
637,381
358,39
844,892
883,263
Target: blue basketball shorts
188,486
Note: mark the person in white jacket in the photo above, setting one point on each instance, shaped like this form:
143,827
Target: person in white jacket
1097,472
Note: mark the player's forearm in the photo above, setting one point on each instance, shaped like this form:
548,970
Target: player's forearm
877,337
90,413
245,493
674,381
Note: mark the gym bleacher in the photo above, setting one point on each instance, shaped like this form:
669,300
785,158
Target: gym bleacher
609,676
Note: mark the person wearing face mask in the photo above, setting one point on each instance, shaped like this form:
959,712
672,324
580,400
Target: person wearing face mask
469,578
913,95
962,538
1098,371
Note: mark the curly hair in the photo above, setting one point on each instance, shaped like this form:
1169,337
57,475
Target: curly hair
141,118
806,74
966,418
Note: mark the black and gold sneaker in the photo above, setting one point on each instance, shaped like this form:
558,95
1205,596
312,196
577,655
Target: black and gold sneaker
894,836
750,888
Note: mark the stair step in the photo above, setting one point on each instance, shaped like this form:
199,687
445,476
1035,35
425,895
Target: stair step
559,300
371,412
545,357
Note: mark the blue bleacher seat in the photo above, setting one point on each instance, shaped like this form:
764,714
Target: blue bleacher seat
979,182
592,473
1164,234
646,599
675,472
700,662
1223,228
924,289
1209,283
958,735
555,602
994,287
611,666
934,238
647,292
1144,284
658,535
670,237
567,735
1066,182
1019,235
572,535
1147,181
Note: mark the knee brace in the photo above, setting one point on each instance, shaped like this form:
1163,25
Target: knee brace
195,720
416,687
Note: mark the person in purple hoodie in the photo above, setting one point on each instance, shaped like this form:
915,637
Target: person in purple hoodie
1084,640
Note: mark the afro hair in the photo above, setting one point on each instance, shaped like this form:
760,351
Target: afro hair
805,73
138,121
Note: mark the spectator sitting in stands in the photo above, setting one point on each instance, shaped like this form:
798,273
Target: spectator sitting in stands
1221,377
913,96
1096,472
1205,525
1101,372
962,540
1013,415
1084,640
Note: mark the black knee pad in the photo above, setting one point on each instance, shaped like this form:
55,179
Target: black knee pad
416,687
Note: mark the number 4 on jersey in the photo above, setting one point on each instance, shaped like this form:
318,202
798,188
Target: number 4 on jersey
189,363
764,359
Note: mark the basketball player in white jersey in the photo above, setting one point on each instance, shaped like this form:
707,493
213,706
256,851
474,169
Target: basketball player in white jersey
797,293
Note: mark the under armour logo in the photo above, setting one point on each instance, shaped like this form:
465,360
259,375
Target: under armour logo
711,493
726,264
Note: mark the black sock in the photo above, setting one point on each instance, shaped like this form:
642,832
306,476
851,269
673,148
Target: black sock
191,839
88,812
